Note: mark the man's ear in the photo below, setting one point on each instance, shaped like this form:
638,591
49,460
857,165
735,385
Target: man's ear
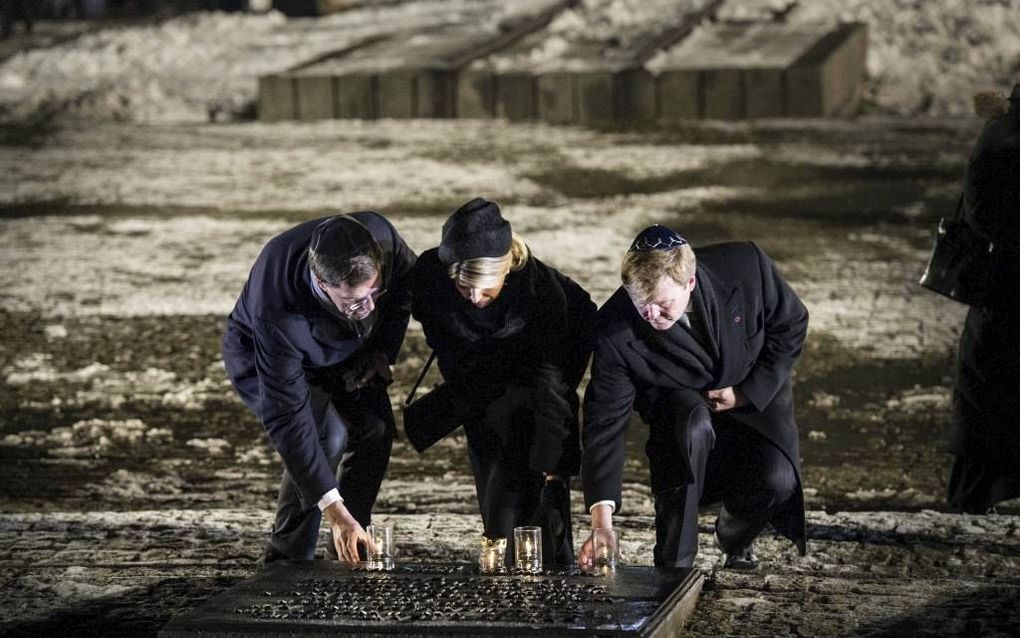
692,282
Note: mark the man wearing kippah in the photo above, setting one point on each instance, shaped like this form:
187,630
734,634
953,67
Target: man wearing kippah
702,349
308,348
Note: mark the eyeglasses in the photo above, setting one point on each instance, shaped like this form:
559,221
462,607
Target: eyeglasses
657,238
358,304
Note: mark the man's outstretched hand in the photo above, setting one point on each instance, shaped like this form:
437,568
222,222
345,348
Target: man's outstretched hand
347,534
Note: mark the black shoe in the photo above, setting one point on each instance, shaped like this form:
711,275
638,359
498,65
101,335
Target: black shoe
271,555
743,558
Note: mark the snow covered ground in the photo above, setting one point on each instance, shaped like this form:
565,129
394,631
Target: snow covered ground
128,223
924,57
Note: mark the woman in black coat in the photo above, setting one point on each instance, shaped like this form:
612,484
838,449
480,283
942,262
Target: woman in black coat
986,394
512,337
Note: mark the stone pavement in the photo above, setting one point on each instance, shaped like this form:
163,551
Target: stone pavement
867,573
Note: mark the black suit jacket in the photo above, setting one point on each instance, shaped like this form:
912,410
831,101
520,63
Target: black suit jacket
280,340
755,327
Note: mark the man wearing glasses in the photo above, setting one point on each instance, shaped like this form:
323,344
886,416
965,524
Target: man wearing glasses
308,348
702,349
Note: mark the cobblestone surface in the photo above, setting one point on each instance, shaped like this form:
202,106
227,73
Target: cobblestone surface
868,573
134,485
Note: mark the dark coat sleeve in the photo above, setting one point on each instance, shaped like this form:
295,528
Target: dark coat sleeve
286,413
569,337
786,321
395,305
992,184
608,404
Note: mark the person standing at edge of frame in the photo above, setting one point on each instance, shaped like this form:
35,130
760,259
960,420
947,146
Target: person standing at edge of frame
703,349
512,337
308,348
985,437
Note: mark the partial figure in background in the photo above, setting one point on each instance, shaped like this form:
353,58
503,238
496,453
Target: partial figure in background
12,11
512,337
985,435
308,348
703,349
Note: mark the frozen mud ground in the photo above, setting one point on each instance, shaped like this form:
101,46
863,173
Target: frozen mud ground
133,485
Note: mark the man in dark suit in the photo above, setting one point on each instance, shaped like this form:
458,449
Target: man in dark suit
702,349
308,348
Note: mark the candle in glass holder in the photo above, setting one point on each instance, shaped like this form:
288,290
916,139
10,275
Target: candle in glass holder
605,549
528,549
490,561
381,557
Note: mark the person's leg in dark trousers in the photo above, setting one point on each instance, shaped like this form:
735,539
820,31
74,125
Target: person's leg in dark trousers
370,433
296,527
508,490
356,432
678,449
751,477
6,17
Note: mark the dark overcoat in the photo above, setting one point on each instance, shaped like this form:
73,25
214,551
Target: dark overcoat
537,334
986,392
280,339
756,328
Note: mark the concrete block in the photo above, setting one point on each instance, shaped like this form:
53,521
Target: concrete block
315,97
557,98
826,80
398,94
277,100
764,93
635,97
437,93
517,96
723,94
678,96
595,98
411,93
356,97
804,91
476,94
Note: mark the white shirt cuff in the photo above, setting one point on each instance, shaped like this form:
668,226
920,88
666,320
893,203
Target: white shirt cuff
611,504
329,498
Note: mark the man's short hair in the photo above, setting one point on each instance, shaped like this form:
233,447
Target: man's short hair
343,251
642,271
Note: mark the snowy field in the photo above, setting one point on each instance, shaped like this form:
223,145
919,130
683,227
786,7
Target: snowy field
924,58
135,485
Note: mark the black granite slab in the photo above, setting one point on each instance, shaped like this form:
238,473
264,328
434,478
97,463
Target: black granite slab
325,598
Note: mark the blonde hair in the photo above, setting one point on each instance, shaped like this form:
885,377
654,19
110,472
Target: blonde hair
489,272
642,271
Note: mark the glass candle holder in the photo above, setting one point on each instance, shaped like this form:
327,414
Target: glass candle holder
605,545
528,549
491,558
380,558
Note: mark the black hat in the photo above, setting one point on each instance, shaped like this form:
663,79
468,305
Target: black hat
475,230
344,237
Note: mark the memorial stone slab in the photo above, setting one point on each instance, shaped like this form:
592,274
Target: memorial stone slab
588,79
827,78
325,598
276,98
405,75
760,69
